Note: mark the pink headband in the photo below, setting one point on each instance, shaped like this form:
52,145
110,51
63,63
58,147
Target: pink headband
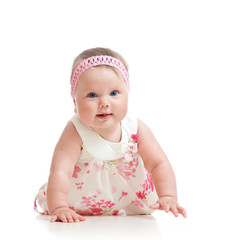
96,61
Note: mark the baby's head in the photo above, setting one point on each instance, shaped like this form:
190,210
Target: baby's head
97,57
99,87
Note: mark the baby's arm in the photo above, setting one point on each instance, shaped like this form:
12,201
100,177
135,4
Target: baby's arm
66,154
157,164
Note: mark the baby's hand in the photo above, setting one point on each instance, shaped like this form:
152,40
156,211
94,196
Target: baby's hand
169,204
65,215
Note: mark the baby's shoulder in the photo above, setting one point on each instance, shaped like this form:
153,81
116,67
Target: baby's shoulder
144,131
69,137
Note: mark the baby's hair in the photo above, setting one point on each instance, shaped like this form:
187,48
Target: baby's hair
97,52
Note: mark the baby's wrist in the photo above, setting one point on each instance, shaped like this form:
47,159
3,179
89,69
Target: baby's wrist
168,196
57,208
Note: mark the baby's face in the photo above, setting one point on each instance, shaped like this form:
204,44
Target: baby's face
101,97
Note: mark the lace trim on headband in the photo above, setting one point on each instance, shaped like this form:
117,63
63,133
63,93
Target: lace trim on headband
96,61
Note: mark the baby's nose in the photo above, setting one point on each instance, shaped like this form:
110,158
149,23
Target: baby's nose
103,103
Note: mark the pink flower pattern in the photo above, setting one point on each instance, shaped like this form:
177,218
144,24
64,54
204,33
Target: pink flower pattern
147,187
127,169
134,137
137,203
99,167
96,203
79,185
141,195
94,206
77,169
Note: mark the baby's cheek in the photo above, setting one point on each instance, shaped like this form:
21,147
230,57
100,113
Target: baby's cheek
86,111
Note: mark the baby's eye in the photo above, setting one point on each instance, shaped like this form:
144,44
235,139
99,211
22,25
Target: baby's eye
114,93
92,95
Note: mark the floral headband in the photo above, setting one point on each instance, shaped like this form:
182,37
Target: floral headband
97,61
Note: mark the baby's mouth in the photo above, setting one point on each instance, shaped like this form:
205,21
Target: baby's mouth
104,115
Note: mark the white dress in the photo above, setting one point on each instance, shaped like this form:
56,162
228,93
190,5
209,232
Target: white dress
109,178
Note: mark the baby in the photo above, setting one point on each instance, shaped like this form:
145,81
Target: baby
106,162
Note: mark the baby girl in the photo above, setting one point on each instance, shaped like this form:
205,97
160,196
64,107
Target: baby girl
106,162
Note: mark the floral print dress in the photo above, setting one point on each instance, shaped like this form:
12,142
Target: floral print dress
109,178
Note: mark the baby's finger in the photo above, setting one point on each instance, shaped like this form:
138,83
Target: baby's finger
77,218
174,210
53,218
182,211
63,218
81,218
69,217
155,206
166,208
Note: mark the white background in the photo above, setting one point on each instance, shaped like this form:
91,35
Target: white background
184,59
